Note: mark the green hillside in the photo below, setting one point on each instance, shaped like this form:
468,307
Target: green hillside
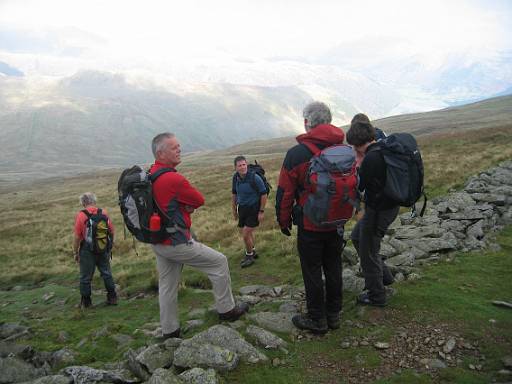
35,244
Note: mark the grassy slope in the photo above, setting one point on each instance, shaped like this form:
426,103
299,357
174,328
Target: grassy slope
35,238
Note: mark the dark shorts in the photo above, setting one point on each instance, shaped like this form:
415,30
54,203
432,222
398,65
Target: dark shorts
248,216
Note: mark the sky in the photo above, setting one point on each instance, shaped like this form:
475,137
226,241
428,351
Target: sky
131,34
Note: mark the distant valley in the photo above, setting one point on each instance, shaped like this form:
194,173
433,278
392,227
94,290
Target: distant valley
98,120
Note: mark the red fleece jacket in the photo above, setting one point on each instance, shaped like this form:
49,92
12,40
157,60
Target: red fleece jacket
174,184
293,172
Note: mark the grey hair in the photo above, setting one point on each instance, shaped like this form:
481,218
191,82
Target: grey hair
316,113
87,198
158,141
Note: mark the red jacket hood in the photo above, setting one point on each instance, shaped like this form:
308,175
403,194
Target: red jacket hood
325,134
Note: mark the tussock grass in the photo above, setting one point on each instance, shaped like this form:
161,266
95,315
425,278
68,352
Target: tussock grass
36,225
35,251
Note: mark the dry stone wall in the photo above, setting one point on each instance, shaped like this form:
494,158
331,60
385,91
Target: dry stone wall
461,221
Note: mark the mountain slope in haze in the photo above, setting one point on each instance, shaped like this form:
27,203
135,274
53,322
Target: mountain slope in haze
491,113
494,112
98,119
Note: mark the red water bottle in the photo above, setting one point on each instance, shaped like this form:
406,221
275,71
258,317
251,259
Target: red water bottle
154,222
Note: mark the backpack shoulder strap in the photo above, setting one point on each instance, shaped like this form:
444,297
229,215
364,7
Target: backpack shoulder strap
86,213
312,147
377,147
160,172
254,185
100,211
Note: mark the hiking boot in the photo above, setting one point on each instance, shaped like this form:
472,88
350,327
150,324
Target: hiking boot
364,299
247,261
175,334
318,327
111,298
85,302
237,312
333,320
387,276
255,254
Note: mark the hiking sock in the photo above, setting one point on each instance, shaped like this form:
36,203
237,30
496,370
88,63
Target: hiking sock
249,254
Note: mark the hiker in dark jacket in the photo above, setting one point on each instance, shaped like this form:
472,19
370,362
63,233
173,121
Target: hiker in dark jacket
249,197
379,133
84,256
179,199
379,213
319,248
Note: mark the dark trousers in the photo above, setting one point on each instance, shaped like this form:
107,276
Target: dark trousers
88,263
321,251
366,237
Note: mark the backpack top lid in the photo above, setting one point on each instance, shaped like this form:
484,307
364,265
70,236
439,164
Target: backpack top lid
337,158
129,177
399,143
256,168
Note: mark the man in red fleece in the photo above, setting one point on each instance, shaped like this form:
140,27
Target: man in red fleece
177,199
319,248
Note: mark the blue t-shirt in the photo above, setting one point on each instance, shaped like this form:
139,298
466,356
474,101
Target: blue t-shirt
244,190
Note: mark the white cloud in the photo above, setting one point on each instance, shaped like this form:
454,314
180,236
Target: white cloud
177,30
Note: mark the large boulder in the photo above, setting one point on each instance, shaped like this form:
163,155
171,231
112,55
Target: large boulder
12,349
455,202
155,356
258,290
190,355
134,366
54,379
200,376
274,321
351,282
88,375
228,338
15,370
265,338
62,357
412,232
12,331
350,256
164,376
448,242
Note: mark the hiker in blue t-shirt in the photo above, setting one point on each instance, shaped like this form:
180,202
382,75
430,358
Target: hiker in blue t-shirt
249,197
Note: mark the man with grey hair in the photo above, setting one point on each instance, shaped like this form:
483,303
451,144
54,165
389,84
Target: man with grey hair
319,248
177,199
92,244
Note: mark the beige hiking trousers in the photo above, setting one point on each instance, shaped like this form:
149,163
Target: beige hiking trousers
169,263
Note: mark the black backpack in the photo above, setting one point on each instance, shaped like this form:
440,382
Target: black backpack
404,172
98,237
258,170
135,188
